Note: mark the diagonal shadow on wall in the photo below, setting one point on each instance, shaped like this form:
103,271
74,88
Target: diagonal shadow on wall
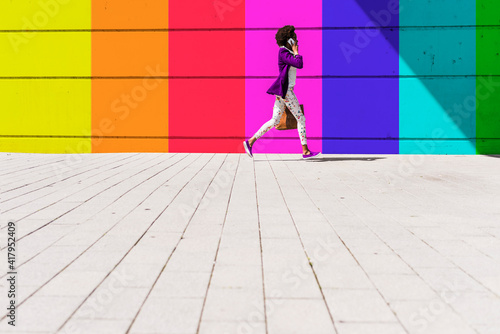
436,47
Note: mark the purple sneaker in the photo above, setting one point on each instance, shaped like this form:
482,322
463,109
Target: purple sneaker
248,148
311,155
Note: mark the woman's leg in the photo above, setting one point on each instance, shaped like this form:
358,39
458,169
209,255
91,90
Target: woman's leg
278,110
293,105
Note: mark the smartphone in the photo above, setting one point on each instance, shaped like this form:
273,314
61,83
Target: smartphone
291,41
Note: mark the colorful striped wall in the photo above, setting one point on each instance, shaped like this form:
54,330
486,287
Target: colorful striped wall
379,76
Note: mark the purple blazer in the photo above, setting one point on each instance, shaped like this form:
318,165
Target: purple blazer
285,60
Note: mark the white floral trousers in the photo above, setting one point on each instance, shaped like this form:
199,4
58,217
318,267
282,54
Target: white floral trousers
292,103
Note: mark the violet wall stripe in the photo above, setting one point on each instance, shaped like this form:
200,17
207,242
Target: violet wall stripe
360,115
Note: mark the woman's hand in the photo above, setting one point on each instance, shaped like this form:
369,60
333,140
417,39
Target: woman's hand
295,48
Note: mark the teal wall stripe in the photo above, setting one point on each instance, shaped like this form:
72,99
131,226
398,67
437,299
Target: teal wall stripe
437,105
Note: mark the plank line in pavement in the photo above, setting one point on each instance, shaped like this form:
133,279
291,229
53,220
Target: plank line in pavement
20,181
144,185
56,198
44,240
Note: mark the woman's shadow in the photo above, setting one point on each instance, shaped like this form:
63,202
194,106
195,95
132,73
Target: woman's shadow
326,159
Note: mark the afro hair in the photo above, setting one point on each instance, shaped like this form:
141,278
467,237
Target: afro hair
284,34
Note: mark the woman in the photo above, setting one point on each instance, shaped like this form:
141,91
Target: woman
282,88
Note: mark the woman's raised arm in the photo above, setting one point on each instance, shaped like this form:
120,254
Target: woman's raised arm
293,60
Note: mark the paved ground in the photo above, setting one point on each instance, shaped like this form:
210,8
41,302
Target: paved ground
218,243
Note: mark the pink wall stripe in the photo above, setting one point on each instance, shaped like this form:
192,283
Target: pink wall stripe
261,59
